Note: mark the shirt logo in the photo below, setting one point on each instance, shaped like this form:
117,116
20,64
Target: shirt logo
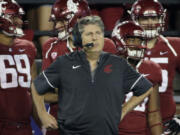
107,68
75,67
163,53
21,50
54,55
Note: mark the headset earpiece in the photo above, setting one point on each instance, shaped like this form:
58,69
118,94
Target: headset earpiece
77,40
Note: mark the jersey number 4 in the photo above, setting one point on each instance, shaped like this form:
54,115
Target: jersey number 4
13,70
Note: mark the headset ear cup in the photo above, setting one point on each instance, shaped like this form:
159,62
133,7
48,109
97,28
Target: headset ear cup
77,41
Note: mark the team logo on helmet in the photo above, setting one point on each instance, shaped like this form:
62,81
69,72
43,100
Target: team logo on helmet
54,55
72,6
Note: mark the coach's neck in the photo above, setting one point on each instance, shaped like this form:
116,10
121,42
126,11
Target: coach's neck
93,58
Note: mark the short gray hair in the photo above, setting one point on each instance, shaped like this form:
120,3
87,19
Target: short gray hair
90,20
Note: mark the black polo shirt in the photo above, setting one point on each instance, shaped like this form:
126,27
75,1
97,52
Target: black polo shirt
90,104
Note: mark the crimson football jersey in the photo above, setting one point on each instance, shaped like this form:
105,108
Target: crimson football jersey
167,54
15,80
135,122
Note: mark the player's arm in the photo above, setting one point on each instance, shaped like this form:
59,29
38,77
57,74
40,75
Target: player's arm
154,115
47,120
33,75
133,102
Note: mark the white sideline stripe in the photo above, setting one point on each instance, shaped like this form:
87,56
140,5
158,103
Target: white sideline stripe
47,80
169,45
68,46
46,56
136,82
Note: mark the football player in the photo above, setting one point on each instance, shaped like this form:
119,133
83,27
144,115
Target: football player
65,14
151,15
130,42
16,72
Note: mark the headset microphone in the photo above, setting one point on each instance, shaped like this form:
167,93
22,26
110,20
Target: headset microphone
89,45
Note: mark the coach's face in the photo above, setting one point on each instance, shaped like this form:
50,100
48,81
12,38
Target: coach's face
92,33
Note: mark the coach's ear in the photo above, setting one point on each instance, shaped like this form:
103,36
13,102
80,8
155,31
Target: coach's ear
76,36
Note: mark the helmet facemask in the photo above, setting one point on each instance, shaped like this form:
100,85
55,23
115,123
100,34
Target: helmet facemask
129,38
65,22
62,31
146,10
152,29
135,49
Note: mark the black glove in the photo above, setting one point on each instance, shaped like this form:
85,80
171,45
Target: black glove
173,126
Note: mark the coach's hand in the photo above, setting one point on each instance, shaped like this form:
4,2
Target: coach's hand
48,121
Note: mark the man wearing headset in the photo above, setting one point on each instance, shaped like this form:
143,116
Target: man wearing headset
92,85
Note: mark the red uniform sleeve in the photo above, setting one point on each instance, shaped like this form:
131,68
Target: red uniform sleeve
109,46
46,60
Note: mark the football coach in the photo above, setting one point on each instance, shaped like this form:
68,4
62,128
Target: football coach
91,85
